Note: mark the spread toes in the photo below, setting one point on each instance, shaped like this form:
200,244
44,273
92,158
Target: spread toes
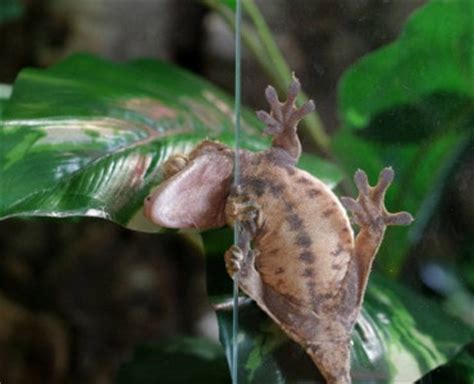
369,209
284,115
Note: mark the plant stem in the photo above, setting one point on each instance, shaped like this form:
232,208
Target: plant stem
269,57
247,35
281,67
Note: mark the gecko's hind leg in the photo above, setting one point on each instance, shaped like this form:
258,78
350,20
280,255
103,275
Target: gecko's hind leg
284,117
369,209
369,213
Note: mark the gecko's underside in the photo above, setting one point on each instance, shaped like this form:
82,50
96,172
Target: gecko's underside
304,268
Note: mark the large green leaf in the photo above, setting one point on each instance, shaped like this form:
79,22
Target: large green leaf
400,336
86,137
420,85
411,105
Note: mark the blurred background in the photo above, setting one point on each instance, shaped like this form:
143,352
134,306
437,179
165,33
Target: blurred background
77,296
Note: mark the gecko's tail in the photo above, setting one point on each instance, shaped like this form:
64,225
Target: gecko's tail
333,360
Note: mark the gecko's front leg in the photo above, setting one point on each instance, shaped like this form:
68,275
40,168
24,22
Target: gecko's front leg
283,119
243,211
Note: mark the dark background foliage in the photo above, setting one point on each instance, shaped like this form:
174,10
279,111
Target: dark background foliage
76,297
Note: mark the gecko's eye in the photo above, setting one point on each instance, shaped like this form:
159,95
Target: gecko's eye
148,198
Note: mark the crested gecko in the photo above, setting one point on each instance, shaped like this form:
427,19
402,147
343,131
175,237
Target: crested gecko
296,256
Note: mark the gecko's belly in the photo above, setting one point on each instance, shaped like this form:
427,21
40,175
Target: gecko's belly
306,242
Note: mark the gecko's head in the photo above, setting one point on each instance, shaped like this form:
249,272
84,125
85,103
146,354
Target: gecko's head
195,192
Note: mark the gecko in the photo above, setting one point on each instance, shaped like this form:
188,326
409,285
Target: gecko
297,256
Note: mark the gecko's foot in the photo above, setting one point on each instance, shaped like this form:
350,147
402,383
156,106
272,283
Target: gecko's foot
284,116
242,208
369,209
174,164
233,257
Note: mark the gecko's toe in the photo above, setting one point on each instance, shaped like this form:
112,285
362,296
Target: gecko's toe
359,215
386,176
294,88
266,118
399,218
385,179
301,112
272,98
288,107
275,105
350,204
361,181
271,95
273,126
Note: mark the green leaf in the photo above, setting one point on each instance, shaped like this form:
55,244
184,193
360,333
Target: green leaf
410,105
87,137
399,337
419,86
176,360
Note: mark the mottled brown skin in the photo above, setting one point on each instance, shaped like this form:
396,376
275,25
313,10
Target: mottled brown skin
304,268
